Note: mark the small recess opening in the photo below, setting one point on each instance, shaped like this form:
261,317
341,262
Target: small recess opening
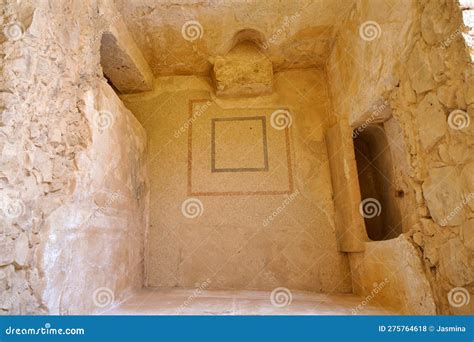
379,205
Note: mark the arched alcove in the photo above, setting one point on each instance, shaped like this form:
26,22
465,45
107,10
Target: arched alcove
245,35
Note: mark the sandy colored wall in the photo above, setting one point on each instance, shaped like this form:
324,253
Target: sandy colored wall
416,63
101,228
71,197
184,39
233,242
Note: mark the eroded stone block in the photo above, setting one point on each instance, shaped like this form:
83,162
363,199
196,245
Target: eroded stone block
244,71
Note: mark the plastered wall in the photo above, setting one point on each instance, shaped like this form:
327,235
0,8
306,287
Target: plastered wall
257,224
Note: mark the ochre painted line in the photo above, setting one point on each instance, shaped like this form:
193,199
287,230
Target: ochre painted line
288,158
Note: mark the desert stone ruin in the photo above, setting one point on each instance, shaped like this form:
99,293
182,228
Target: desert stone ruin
237,157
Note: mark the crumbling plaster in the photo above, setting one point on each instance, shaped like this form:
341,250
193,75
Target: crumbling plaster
59,122
295,34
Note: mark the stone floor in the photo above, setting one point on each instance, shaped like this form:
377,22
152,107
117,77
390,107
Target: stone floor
186,302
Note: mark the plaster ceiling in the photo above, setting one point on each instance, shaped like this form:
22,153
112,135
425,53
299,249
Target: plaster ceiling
293,34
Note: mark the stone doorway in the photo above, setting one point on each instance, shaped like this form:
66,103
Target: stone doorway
379,194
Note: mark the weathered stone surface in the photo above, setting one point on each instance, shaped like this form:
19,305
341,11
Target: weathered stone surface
244,71
456,262
121,59
431,121
21,250
421,76
434,22
443,193
470,91
44,138
102,231
430,62
294,34
467,174
7,248
397,264
467,234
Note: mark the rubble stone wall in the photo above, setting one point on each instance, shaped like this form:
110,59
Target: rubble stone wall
412,55
71,190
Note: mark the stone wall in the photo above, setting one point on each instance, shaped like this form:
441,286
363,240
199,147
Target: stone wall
64,232
412,56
